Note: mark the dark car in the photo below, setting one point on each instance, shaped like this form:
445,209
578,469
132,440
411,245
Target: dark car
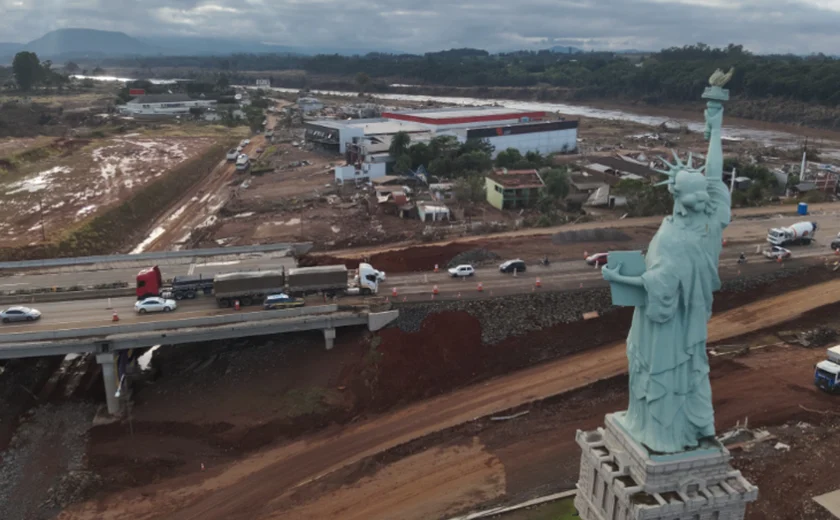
282,301
513,265
835,244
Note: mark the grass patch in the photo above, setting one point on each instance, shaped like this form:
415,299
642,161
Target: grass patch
313,400
123,225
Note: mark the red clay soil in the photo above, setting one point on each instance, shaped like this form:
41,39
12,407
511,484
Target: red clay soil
418,258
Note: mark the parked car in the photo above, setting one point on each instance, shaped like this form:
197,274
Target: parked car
462,271
282,301
232,154
597,259
155,304
777,253
20,314
835,244
513,265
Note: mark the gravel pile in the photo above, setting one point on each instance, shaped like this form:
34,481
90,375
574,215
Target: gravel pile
476,257
43,470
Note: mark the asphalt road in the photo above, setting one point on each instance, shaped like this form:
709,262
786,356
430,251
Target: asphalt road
410,287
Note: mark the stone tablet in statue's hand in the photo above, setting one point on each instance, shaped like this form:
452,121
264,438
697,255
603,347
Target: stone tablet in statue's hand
611,274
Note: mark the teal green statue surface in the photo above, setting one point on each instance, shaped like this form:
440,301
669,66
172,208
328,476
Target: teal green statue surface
670,408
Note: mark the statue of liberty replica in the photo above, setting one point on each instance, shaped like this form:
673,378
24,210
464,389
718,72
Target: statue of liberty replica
659,458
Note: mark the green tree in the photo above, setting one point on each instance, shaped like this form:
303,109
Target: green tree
71,67
420,155
254,116
480,145
362,80
644,199
556,183
470,188
508,158
444,146
399,144
27,69
475,161
403,164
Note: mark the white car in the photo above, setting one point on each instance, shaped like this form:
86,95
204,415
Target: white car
155,304
245,142
462,271
232,154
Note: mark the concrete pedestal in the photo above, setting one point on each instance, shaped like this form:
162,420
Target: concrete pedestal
621,480
329,338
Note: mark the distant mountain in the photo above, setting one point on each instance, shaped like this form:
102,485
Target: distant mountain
196,46
92,43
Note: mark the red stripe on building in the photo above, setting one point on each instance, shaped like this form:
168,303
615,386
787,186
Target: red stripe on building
532,116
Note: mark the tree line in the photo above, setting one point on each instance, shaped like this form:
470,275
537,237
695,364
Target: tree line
671,75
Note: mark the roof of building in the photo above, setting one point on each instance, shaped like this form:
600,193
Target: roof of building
592,180
517,178
620,165
161,98
372,126
456,115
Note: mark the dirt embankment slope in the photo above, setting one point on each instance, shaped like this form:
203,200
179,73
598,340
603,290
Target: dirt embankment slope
249,488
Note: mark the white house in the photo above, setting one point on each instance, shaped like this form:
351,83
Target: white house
163,104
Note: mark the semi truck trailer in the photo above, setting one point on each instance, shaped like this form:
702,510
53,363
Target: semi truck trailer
251,287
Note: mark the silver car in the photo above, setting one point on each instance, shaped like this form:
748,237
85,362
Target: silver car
20,314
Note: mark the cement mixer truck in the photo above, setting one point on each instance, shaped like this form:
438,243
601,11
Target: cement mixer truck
795,234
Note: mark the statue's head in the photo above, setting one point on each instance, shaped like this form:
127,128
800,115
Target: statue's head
689,190
688,186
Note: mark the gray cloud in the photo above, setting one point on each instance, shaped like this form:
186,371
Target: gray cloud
800,26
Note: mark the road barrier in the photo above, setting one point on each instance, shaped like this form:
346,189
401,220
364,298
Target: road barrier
62,296
154,326
300,248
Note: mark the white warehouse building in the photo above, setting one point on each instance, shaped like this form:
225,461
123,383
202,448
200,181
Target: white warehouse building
545,137
163,104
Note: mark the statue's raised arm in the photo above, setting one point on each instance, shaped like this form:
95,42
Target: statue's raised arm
719,196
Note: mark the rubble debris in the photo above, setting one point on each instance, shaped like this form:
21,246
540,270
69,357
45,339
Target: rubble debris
782,446
509,417
813,338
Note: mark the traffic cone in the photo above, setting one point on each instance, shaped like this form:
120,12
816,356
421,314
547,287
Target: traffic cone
236,305
480,287
837,251
394,292
724,243
538,284
114,317
436,268
435,289
202,466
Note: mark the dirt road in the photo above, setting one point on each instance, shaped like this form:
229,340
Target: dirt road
251,488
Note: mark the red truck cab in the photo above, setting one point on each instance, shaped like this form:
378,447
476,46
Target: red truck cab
149,283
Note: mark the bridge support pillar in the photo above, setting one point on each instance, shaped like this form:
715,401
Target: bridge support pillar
329,338
109,376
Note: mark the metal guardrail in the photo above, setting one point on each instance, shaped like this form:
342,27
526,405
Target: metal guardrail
299,248
155,326
63,296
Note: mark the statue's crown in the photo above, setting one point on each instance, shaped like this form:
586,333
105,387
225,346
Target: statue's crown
678,166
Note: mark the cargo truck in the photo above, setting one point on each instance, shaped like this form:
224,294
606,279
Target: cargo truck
827,372
796,234
252,287
150,283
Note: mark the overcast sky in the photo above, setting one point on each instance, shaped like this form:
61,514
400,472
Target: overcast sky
799,26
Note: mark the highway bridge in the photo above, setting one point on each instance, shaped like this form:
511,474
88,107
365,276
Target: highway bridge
108,341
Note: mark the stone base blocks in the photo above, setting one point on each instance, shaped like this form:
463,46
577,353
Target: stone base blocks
621,480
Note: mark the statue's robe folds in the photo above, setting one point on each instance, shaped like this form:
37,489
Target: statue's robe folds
670,407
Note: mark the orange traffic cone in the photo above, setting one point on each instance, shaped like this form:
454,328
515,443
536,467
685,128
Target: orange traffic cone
435,290
236,305
114,317
538,284
436,268
480,287
394,292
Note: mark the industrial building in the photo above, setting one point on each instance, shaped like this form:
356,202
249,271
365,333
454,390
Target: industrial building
365,142
163,105
333,135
